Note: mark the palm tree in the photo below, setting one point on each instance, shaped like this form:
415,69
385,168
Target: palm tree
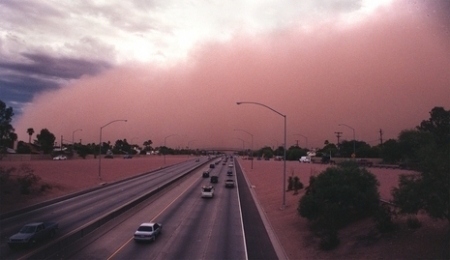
30,132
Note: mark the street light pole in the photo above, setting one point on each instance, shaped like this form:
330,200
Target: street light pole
243,144
73,135
189,145
306,139
284,155
100,147
165,138
354,148
252,142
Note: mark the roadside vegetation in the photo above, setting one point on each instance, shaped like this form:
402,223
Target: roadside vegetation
336,197
346,193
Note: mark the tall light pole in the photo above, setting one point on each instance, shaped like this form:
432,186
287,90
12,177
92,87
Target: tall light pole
306,139
165,139
284,156
243,143
100,147
252,141
73,135
353,129
189,145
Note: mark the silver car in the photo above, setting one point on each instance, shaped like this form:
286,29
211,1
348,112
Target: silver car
147,232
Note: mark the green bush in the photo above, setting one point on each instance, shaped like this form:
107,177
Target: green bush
413,223
339,195
383,219
26,179
329,240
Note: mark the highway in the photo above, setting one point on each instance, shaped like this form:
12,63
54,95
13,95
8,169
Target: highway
76,212
193,227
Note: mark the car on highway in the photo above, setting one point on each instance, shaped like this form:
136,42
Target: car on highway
212,166
229,183
32,233
127,156
60,157
147,231
230,172
205,174
207,191
214,179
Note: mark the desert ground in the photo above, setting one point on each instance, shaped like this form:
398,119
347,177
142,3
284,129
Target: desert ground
358,241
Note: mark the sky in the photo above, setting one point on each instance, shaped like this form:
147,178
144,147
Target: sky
175,69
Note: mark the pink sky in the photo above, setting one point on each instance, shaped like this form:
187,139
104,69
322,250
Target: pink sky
386,72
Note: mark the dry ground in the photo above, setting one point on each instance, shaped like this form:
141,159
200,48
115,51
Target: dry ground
358,241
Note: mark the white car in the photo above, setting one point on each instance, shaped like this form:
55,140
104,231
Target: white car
60,157
305,159
147,232
207,191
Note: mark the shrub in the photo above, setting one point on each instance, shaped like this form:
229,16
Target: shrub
339,195
413,223
45,187
26,179
329,240
383,219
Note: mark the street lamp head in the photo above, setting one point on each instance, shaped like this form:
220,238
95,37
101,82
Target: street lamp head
238,103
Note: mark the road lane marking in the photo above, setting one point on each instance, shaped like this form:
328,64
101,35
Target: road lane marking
153,219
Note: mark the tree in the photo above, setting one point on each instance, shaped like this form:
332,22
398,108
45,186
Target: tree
148,145
265,152
6,129
427,149
46,140
30,132
338,195
390,151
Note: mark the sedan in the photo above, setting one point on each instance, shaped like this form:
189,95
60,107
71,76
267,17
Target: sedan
147,232
60,157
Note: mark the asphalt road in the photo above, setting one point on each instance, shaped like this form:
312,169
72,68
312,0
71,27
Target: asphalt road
193,227
73,213
227,226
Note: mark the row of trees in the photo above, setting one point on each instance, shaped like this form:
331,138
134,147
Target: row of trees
347,192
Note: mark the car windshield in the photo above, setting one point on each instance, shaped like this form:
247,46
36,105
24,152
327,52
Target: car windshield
145,228
28,229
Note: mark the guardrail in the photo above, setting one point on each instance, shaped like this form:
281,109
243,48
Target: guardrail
51,249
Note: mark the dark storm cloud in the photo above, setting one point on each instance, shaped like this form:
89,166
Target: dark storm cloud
20,81
63,68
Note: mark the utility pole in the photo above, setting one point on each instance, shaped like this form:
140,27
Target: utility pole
338,135
297,142
381,136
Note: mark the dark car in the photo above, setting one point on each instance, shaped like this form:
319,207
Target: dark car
33,233
230,172
205,174
212,166
229,183
214,179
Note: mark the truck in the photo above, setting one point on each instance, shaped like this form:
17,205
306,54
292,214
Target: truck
32,233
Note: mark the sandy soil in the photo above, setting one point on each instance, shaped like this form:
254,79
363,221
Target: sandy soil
358,241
